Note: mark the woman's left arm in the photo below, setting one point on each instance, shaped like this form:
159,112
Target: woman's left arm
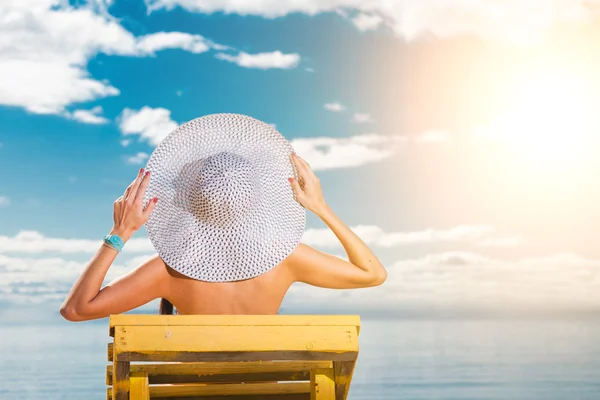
87,300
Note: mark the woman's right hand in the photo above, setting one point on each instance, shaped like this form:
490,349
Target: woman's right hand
129,212
307,188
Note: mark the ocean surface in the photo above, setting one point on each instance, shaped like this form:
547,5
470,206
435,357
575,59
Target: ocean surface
399,359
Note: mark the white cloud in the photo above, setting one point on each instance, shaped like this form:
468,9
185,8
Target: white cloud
126,142
93,116
150,44
151,124
457,281
4,201
138,158
39,280
514,21
335,106
309,69
375,236
362,118
367,22
275,59
324,153
33,242
265,8
45,46
44,52
463,279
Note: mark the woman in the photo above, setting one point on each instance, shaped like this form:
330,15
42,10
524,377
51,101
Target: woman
259,295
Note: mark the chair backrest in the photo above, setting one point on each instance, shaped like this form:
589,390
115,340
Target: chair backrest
311,356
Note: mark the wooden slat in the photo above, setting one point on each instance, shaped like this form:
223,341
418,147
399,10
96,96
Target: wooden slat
235,338
225,371
231,378
121,381
110,352
219,356
200,389
343,371
293,396
229,389
322,384
139,386
234,320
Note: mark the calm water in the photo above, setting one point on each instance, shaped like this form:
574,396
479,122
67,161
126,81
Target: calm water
399,359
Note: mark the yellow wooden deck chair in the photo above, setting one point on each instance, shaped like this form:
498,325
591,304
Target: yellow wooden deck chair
231,356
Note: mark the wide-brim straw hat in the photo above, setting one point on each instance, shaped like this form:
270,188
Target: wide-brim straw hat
226,210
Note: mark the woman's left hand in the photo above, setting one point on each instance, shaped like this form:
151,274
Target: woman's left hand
129,213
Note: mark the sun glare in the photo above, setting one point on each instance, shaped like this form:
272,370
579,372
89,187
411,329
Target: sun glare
549,120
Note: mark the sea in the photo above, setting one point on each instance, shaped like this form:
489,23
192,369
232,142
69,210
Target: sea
442,359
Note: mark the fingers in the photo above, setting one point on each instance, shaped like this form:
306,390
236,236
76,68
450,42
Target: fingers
149,207
298,193
134,187
303,167
301,170
139,196
128,190
299,166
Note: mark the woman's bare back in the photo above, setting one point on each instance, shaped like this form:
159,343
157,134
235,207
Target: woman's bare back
260,295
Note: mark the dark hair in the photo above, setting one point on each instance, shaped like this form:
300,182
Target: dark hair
166,307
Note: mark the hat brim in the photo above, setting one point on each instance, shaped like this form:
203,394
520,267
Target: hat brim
238,251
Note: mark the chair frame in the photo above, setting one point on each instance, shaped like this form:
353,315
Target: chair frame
232,356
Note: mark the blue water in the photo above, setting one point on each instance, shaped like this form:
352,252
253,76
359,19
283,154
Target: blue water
399,359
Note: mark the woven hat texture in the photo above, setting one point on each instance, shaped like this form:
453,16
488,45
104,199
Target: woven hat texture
226,211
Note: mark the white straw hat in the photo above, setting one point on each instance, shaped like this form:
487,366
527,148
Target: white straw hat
226,210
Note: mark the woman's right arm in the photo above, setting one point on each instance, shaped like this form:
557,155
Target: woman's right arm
314,267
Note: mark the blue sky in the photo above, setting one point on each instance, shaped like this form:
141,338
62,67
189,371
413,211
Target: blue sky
460,144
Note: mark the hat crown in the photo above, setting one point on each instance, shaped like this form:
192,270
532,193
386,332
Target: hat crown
224,190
